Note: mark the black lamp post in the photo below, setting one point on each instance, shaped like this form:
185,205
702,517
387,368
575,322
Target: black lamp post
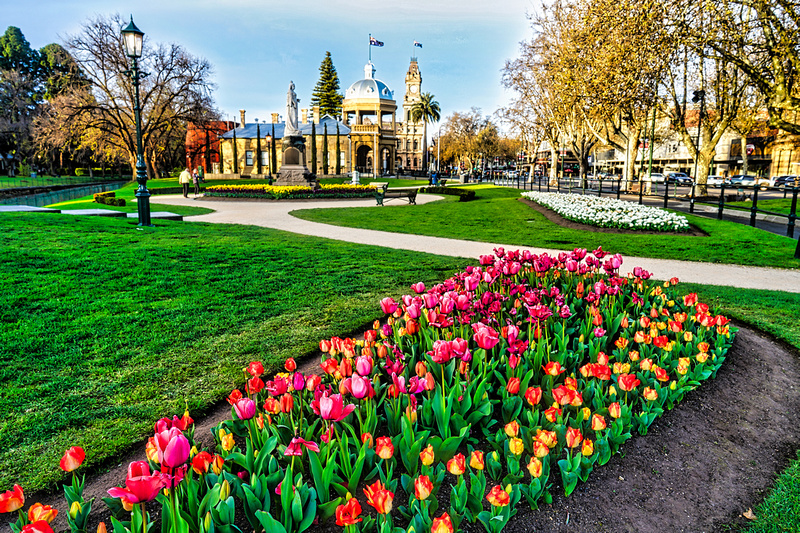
132,38
698,96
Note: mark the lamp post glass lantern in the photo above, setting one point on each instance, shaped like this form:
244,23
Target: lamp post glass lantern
132,38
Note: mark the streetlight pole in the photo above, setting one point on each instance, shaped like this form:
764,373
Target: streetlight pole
132,38
699,96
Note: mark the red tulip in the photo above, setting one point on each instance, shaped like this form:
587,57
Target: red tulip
347,514
287,403
234,397
201,462
296,446
628,382
379,498
140,486
513,385
255,369
533,395
11,500
254,385
72,459
498,497
40,526
614,410
574,437
290,365
553,368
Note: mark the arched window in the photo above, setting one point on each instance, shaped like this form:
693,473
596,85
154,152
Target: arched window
415,146
415,162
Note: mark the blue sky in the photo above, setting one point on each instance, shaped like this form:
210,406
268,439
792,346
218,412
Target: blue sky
257,47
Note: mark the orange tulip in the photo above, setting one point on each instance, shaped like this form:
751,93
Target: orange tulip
423,486
614,410
498,497
379,498
587,448
535,467
72,459
38,527
540,450
512,429
598,422
426,455
533,395
457,465
41,512
290,365
628,382
650,394
548,438
384,447
574,437
443,524
552,413
513,386
476,460
11,500
553,368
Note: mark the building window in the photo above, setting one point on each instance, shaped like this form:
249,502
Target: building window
248,158
264,158
415,162
415,145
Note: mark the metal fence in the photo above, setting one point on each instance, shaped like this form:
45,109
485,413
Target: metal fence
618,187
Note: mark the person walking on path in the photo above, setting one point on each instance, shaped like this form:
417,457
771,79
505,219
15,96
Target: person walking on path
185,179
196,180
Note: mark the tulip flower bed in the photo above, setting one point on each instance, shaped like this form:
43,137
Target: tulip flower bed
509,376
275,192
608,212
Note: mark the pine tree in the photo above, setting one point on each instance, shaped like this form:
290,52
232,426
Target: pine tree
326,93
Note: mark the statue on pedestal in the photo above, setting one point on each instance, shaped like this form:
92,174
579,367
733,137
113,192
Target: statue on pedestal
292,127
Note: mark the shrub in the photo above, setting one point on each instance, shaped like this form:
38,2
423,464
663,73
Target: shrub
464,195
107,194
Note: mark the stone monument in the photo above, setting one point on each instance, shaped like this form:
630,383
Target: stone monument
294,170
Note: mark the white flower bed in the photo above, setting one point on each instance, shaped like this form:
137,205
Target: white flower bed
608,212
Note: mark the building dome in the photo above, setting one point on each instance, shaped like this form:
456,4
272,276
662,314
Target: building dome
369,88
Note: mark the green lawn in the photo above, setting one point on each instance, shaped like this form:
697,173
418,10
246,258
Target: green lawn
108,327
778,205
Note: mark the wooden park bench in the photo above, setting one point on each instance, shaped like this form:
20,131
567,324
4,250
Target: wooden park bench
382,193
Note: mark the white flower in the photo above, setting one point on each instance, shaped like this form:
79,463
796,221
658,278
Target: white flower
609,212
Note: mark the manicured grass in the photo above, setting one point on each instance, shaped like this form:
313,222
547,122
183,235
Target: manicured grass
780,510
393,182
108,327
496,215
778,205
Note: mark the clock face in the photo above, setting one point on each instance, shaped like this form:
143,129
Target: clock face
413,88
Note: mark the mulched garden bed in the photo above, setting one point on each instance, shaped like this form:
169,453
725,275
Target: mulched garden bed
700,466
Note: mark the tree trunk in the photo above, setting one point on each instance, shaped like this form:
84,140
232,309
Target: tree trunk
629,173
744,154
553,165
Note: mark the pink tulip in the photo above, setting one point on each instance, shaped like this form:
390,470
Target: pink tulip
296,446
446,305
140,486
414,310
419,288
430,300
298,381
486,337
245,409
172,447
331,407
486,260
359,386
364,365
388,305
442,352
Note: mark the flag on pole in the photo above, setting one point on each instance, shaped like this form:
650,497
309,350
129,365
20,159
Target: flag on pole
375,42
417,43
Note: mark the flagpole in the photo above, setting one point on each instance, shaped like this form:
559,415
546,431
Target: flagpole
370,47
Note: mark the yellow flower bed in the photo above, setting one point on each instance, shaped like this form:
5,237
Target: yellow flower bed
289,191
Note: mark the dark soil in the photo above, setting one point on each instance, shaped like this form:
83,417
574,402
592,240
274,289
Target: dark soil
698,469
555,218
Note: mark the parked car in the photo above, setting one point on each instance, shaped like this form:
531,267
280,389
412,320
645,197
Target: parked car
655,177
742,180
680,178
717,181
785,181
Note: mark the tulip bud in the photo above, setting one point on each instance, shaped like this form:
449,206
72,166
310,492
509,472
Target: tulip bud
426,456
207,521
127,505
75,509
224,491
101,527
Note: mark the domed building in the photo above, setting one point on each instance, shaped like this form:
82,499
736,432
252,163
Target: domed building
368,110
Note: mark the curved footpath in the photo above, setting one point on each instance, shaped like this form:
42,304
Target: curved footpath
277,215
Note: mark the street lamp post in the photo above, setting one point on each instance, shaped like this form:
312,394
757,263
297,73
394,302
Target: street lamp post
698,96
269,150
132,38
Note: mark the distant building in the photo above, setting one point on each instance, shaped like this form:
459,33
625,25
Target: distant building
368,127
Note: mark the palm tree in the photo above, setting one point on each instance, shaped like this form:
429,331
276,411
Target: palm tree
426,110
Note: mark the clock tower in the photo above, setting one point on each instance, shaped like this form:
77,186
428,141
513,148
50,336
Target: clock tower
409,135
